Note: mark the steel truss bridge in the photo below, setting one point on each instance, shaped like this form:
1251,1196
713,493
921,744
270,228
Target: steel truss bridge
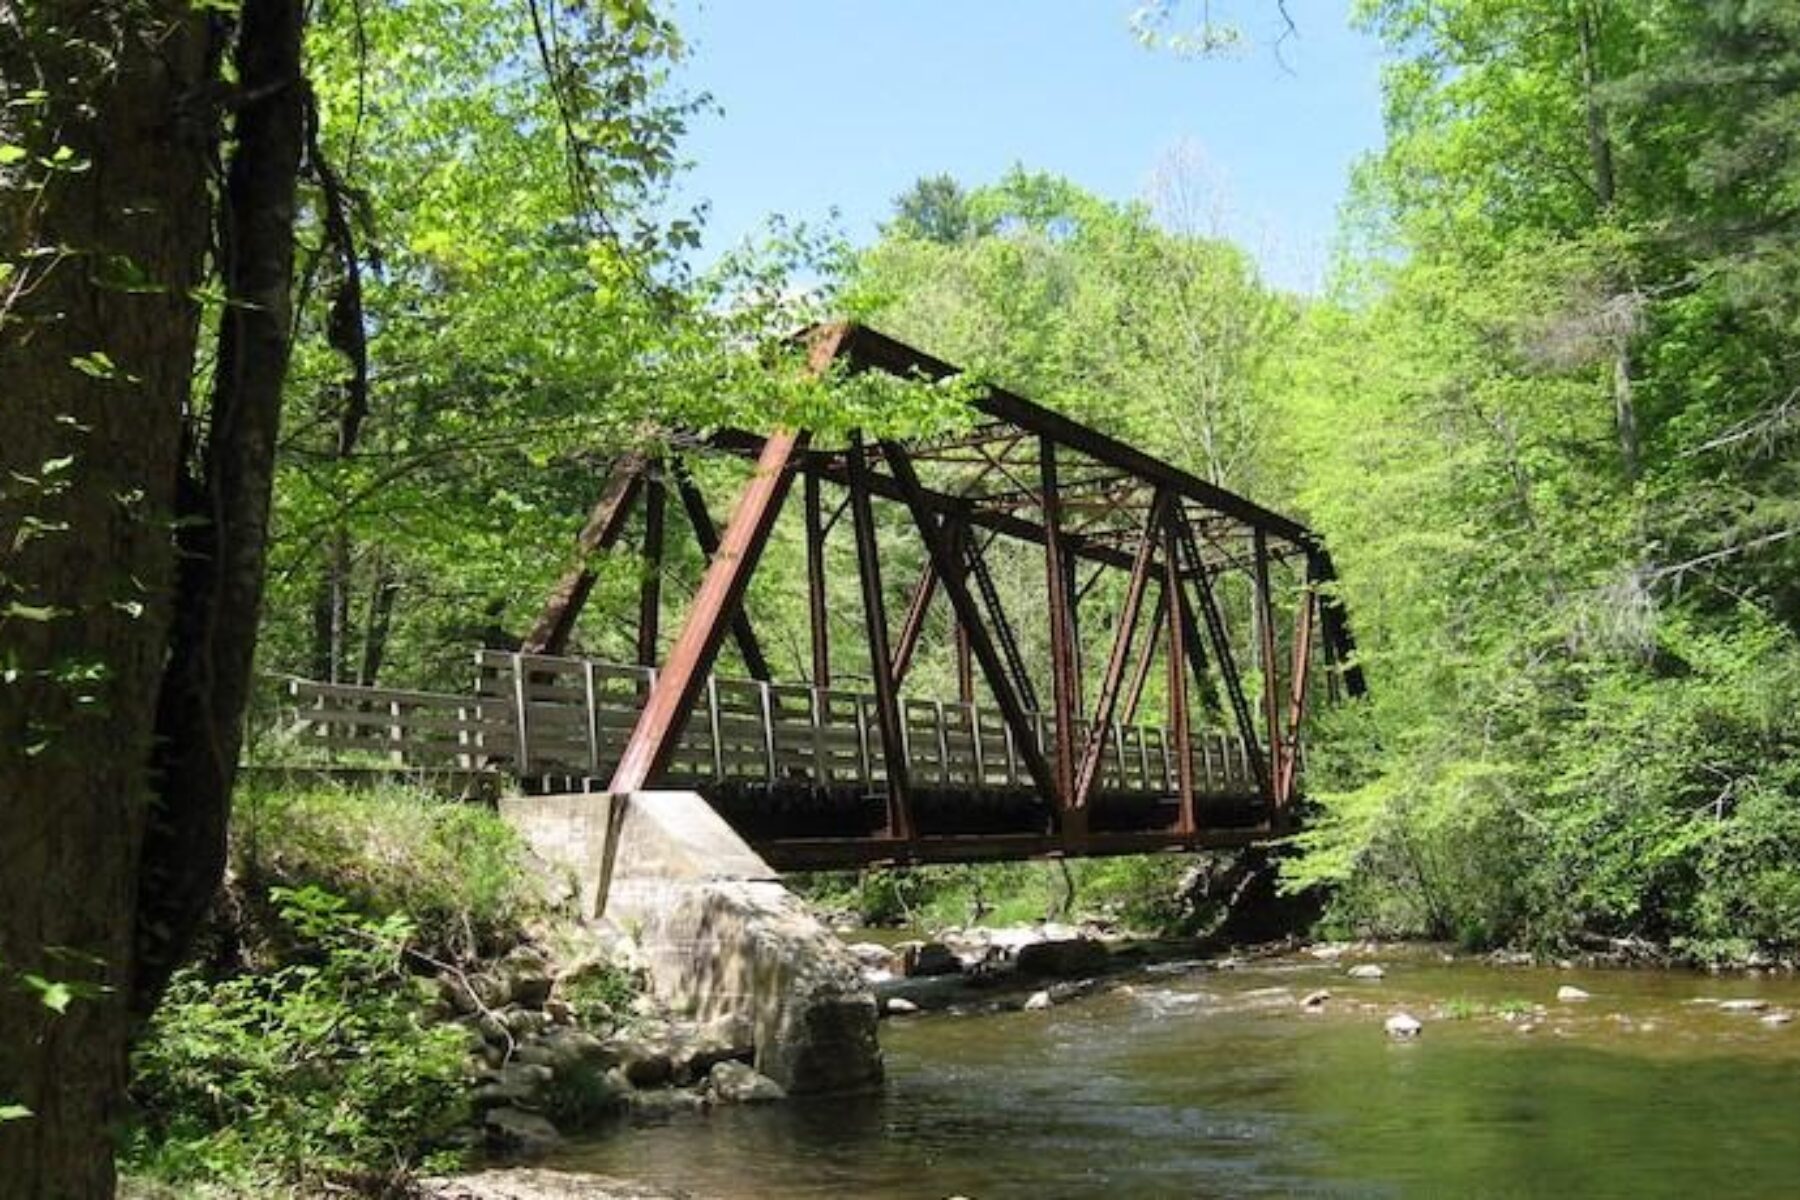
1031,757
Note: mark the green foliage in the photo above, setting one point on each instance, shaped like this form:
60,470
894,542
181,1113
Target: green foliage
1544,423
456,871
322,1069
600,993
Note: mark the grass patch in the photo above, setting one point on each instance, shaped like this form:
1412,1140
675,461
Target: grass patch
458,872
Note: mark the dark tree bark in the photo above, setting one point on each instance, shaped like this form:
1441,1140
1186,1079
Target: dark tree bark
88,467
123,679
199,719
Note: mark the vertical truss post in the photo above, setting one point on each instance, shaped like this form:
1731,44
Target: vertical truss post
650,588
815,584
1265,647
1062,647
706,535
1110,684
1186,821
721,593
550,632
965,666
1298,677
881,663
943,558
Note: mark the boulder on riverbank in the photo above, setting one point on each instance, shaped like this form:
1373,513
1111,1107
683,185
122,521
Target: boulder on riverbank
531,1184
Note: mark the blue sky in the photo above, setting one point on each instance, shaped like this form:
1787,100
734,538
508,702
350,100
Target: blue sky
843,103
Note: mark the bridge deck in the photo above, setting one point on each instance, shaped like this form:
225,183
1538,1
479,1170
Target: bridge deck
800,771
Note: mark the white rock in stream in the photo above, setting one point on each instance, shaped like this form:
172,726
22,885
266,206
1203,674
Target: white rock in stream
1037,1002
1365,971
1314,1002
899,1006
1742,1006
1403,1026
1571,995
1778,1018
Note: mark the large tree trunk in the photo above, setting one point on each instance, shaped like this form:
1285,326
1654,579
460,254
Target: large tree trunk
224,543
122,680
88,464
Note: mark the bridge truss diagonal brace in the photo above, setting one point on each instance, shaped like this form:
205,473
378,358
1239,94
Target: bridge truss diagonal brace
550,632
721,595
881,662
1215,627
968,613
1100,728
706,535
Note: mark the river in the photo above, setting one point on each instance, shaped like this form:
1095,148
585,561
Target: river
1191,1081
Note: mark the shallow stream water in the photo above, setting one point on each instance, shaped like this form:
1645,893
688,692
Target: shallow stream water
1191,1081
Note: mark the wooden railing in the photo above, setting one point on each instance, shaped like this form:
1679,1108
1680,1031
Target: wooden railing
536,715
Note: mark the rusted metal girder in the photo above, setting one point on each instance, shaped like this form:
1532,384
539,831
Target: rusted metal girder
968,614
1186,819
1271,677
721,592
1106,707
912,627
550,632
1334,624
881,663
1003,631
1134,695
650,587
1298,677
1234,684
818,608
706,534
1063,685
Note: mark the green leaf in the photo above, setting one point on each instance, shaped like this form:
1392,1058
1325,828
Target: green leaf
11,154
54,995
31,612
14,1112
96,364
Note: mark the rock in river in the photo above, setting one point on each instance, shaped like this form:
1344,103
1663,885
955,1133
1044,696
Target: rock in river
1066,956
1314,1002
1742,1006
1365,971
1037,1002
738,1083
1403,1026
1570,995
899,1006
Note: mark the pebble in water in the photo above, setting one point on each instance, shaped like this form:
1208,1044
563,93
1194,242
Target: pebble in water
1570,995
1365,971
1403,1026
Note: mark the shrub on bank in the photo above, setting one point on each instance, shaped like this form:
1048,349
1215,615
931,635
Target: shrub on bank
323,1070
309,1059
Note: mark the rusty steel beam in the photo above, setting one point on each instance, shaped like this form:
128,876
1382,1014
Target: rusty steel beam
1335,624
1186,819
950,576
867,348
1134,694
912,627
556,622
817,605
1265,652
650,587
881,668
721,593
706,535
1298,677
1009,642
1062,636
1234,684
1100,729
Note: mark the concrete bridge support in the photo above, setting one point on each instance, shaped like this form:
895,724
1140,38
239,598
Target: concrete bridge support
722,937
